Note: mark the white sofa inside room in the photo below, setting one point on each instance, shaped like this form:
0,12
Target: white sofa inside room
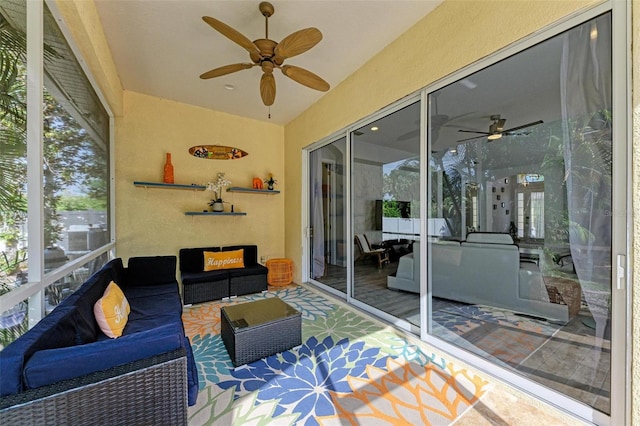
486,269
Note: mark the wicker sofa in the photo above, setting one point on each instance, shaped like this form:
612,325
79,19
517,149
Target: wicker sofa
199,285
66,371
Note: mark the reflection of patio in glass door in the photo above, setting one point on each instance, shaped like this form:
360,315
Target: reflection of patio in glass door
385,183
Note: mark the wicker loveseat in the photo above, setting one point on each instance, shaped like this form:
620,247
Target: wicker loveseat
199,285
66,371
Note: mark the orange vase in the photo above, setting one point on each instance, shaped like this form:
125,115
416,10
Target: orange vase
168,170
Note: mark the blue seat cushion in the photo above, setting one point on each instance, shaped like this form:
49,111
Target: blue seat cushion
153,311
248,271
192,374
54,331
53,365
203,277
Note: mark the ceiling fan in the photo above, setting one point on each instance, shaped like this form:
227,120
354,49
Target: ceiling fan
437,122
268,54
496,129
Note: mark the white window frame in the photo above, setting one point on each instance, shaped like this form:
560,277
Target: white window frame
38,281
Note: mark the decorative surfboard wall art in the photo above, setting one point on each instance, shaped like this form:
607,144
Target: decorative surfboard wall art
217,152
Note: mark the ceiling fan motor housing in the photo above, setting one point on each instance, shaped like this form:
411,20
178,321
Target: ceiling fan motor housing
266,47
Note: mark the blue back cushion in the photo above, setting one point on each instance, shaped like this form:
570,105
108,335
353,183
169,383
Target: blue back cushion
250,253
152,270
86,296
192,259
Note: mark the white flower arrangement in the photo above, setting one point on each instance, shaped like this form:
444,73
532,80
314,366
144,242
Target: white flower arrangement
217,186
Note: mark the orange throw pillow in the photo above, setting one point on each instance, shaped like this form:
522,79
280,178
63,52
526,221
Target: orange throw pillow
214,261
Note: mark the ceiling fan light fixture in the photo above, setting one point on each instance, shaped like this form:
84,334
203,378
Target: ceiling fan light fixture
494,136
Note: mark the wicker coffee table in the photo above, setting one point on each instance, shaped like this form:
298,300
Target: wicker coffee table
254,330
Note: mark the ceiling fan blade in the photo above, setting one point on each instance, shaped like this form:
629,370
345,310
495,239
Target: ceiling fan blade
304,77
471,138
457,126
523,126
227,69
297,43
409,135
232,34
268,89
473,131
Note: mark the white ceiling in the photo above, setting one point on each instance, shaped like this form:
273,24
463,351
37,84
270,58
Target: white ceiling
160,47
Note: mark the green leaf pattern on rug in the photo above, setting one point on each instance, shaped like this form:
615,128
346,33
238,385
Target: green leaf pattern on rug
339,323
221,409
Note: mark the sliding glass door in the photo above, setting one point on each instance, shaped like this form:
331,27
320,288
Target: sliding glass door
327,216
385,188
521,184
520,232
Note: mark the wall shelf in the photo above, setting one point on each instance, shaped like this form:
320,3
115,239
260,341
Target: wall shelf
252,190
216,213
161,185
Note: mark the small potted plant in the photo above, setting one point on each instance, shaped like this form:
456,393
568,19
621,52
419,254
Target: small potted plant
270,181
216,187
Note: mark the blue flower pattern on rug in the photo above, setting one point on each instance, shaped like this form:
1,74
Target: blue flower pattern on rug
300,379
297,386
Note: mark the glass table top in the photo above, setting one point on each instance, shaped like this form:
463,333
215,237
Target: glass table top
258,312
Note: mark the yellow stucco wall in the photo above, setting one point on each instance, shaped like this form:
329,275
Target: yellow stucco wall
152,221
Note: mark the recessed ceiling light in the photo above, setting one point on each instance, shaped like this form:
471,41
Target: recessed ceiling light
374,129
229,86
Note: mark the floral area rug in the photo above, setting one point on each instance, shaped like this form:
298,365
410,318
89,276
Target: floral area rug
501,335
348,370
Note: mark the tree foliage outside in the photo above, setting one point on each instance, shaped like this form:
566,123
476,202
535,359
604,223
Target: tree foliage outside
74,167
401,184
